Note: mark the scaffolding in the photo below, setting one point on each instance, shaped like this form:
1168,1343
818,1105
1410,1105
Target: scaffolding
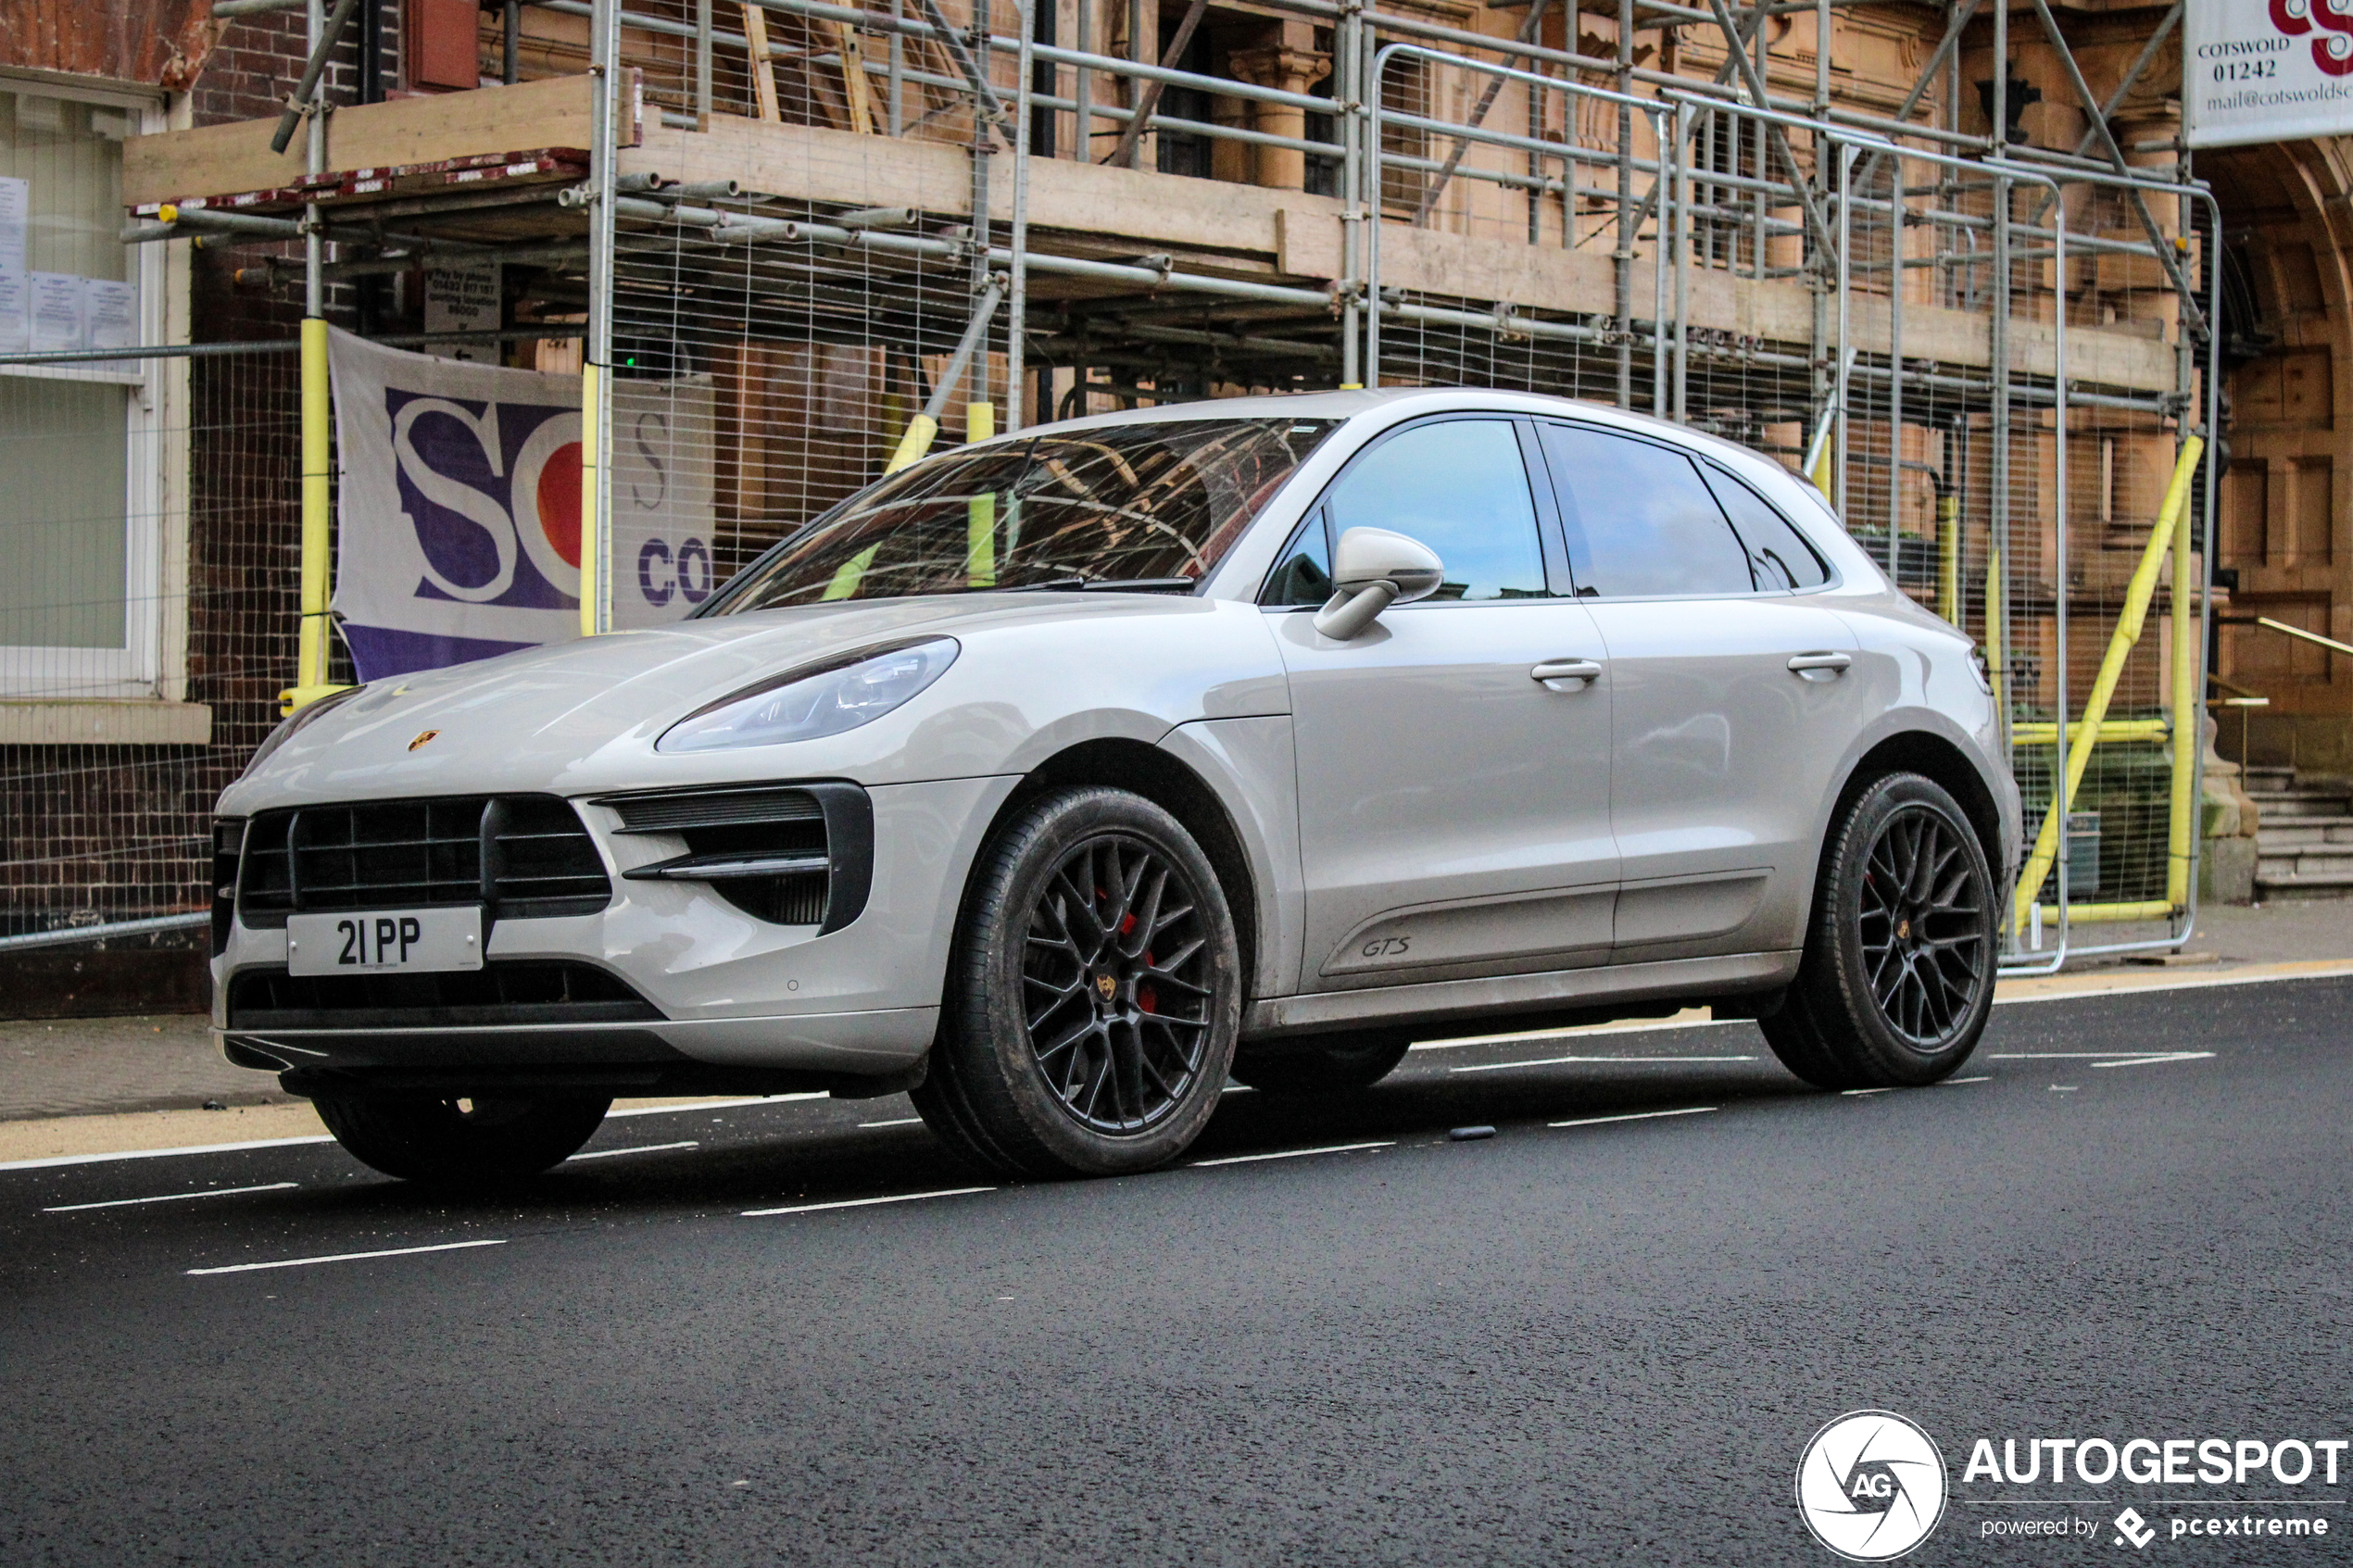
788,251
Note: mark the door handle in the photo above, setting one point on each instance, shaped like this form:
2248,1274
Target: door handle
1821,666
1566,674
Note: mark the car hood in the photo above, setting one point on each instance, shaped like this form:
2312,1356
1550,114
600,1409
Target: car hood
585,714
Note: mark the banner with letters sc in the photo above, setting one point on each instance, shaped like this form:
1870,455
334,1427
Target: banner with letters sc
458,515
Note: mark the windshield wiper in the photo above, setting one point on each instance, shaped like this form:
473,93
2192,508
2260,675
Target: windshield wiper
1074,582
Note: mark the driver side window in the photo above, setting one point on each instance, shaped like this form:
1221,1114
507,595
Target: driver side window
1460,487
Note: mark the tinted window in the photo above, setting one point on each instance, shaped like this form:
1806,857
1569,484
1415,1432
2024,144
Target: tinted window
1460,487
1640,518
1778,554
1306,575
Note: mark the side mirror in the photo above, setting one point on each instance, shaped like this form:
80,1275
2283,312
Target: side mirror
1373,569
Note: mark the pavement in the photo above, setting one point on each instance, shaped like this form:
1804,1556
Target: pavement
796,1331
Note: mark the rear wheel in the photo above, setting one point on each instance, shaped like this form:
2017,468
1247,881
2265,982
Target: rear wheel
1348,1061
1898,973
1093,997
461,1144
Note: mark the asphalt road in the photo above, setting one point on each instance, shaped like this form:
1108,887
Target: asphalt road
1605,1341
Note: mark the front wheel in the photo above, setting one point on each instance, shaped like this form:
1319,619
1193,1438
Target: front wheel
461,1144
1093,997
1898,973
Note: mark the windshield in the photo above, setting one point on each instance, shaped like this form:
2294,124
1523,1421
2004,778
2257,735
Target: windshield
1141,505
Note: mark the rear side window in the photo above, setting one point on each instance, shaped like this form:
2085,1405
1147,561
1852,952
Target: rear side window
1778,554
1640,518
1459,486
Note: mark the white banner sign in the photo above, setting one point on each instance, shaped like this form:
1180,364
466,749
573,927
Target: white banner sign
458,515
2267,70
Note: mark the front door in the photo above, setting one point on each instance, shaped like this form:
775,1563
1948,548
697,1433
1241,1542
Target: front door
1454,805
1730,710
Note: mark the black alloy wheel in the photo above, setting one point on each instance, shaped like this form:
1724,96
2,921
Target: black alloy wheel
1116,977
1093,996
1921,925
1897,976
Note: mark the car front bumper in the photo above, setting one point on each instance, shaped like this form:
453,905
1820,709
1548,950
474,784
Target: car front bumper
709,996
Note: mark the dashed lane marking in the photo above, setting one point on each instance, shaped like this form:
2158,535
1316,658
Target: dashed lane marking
1291,1153
167,1198
1559,1060
2103,1058
894,1122
346,1257
638,1148
864,1202
1635,1116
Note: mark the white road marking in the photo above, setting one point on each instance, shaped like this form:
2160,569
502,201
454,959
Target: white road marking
1291,1153
346,1257
715,1104
1852,1094
57,1160
1558,1060
864,1202
639,1148
1635,1116
1980,1078
901,1122
2101,1058
166,1197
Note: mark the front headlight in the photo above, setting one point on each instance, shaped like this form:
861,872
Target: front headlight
814,700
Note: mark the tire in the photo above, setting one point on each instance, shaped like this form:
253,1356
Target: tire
475,1145
1074,1040
1350,1061
1898,973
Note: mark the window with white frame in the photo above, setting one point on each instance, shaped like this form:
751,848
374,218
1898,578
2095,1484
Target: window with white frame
80,459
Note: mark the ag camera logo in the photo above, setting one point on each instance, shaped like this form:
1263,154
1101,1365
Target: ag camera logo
1871,1485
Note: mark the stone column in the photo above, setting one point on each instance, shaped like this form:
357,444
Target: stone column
1290,66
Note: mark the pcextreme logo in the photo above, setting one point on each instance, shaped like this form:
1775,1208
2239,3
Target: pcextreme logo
1871,1485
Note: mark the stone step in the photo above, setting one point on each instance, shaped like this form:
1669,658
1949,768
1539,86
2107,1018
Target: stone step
2318,886
2301,867
2285,836
2302,809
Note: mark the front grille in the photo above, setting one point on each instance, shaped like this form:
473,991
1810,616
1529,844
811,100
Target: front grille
518,856
788,854
502,992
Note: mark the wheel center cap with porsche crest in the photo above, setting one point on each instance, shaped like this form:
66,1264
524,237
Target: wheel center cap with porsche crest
1107,984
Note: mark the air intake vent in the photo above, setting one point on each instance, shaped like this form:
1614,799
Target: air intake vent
501,992
519,855
788,854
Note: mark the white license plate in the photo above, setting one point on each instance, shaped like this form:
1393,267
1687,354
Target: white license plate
418,941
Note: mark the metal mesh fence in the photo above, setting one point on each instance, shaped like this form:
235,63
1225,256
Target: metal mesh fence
1876,306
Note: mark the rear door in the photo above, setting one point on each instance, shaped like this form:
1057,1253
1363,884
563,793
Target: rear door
1454,805
1730,710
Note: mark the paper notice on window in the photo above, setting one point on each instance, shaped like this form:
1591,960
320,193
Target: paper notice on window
57,317
110,319
15,321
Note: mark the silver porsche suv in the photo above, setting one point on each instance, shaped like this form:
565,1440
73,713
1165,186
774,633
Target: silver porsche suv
1060,778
